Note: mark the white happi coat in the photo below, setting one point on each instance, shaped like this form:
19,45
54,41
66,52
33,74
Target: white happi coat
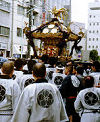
58,78
87,104
40,102
25,81
18,75
9,95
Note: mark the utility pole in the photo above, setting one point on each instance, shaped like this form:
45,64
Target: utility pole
30,24
12,28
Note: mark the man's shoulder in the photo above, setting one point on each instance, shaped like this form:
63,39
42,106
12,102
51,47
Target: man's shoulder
34,89
68,77
40,85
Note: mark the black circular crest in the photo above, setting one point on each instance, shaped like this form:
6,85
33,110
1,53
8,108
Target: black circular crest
28,82
2,93
45,98
90,98
58,80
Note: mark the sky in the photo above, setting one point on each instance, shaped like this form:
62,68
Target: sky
80,10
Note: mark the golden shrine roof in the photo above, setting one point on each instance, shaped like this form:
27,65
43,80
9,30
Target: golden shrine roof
53,30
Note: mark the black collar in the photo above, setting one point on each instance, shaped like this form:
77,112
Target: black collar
27,72
42,80
50,66
16,70
4,77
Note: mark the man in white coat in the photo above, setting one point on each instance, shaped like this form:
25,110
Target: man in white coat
41,101
87,103
27,77
9,92
58,76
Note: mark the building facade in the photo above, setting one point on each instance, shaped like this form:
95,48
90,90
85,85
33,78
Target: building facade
93,34
18,40
5,27
28,11
13,15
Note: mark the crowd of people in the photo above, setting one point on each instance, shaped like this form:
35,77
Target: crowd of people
49,90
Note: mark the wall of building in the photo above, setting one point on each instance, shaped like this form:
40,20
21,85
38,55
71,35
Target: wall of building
5,26
93,34
19,19
14,19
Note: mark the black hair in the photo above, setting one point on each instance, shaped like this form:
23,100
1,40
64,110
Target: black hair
80,70
96,64
52,61
30,64
39,70
19,63
88,81
45,58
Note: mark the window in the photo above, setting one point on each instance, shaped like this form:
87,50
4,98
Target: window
97,23
97,31
93,31
89,46
89,39
19,32
92,46
89,31
94,16
20,10
90,16
34,2
4,31
93,23
96,46
97,39
93,39
90,24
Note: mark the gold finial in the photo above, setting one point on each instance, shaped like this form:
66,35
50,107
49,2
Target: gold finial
58,13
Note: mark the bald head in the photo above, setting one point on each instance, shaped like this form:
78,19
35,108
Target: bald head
7,67
39,70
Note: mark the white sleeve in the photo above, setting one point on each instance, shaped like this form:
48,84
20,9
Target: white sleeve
22,110
16,94
63,114
78,105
